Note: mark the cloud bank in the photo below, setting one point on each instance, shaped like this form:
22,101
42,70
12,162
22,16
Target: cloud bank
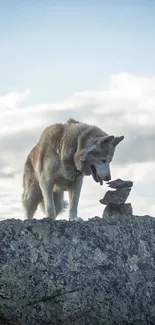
126,107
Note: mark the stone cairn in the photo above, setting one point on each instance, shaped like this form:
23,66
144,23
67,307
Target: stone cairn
115,199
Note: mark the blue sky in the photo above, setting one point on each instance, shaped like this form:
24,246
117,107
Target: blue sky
56,48
88,59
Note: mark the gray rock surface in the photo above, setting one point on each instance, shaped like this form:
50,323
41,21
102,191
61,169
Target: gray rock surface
99,272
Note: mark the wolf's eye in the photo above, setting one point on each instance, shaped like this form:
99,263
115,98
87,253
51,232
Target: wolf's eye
103,160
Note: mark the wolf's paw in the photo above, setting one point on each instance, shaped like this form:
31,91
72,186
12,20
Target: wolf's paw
76,219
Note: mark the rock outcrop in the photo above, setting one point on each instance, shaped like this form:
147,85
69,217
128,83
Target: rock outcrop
97,272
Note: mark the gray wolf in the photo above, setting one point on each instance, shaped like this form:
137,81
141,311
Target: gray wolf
64,154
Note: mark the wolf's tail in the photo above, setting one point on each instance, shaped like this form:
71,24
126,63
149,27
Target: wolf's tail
32,194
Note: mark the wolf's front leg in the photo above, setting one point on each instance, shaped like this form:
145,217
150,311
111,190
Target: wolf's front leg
74,194
47,191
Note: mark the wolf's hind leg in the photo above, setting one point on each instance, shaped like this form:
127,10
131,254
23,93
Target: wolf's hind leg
42,206
47,192
59,201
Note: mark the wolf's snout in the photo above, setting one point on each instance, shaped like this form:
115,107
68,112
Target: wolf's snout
107,178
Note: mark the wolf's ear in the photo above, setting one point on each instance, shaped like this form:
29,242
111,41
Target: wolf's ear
108,139
117,140
105,140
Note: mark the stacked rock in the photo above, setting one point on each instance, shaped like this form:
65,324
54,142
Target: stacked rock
115,199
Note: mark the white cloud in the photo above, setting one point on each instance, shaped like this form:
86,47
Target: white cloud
126,106
13,99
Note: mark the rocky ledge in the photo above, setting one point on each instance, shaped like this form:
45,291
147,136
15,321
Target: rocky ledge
96,272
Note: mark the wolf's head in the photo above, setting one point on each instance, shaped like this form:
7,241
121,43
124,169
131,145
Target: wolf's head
93,157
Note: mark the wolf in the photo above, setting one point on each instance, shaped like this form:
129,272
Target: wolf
64,154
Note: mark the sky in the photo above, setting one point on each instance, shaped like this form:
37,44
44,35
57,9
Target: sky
90,60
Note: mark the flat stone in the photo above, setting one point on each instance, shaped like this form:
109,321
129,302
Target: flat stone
119,183
113,209
117,197
126,209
